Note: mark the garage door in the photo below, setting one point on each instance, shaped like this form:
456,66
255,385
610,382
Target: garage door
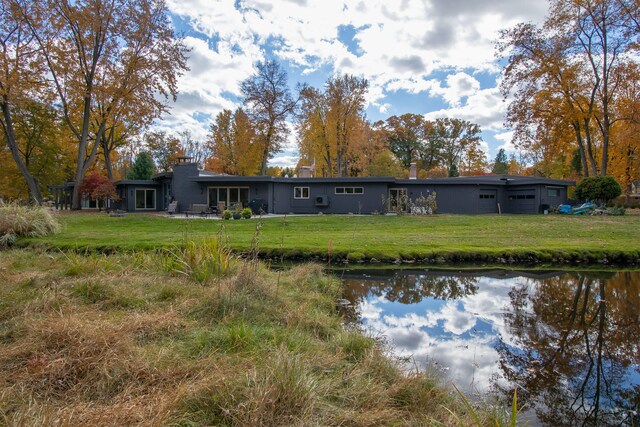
487,202
522,201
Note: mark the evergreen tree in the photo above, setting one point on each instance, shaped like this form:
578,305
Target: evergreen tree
453,170
142,167
500,165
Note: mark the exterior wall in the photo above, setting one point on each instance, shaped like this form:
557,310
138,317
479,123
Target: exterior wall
367,202
462,199
461,196
185,191
128,197
549,198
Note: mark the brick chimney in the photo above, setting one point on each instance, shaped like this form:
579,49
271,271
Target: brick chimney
412,171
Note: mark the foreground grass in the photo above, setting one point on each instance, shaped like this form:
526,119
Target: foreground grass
440,238
111,340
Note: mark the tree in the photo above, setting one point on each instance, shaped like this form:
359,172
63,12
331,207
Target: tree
568,73
500,165
103,56
269,103
385,164
450,141
21,73
197,150
232,143
405,136
164,149
142,167
599,189
453,170
331,123
99,188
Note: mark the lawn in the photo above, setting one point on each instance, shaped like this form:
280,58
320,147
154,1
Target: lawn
440,238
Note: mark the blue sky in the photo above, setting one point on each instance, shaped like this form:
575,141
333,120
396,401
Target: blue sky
430,57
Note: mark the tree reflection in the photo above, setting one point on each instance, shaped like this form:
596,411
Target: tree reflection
410,288
572,349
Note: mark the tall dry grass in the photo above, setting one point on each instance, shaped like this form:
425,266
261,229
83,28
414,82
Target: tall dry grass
29,221
122,342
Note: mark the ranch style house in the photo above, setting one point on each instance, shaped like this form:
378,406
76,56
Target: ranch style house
186,186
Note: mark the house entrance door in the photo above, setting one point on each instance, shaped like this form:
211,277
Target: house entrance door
398,200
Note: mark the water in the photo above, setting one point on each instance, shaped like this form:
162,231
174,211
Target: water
569,341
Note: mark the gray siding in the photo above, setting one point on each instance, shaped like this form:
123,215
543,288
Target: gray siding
184,190
367,202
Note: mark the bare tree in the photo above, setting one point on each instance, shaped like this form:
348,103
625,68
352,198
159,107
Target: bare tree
269,103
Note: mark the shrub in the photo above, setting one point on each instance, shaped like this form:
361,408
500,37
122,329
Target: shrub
227,214
25,221
246,213
600,189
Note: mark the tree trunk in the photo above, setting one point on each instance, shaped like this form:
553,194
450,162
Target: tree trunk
32,184
581,150
593,169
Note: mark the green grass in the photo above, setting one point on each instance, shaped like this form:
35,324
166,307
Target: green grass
439,238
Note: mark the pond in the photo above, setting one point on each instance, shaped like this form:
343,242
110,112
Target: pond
569,341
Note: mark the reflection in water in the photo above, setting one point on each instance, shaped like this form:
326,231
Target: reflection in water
568,341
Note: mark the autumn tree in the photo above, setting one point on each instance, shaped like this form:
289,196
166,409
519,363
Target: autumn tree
21,74
331,124
232,143
567,73
164,149
104,56
269,103
98,188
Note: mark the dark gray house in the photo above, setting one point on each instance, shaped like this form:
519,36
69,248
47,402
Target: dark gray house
188,185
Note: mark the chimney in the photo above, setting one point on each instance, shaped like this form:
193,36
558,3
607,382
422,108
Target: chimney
305,172
412,171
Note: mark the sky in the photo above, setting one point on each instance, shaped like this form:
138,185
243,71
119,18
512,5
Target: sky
430,57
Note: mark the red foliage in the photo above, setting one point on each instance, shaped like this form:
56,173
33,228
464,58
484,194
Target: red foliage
98,187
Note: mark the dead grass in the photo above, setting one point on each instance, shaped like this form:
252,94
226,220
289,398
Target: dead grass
110,340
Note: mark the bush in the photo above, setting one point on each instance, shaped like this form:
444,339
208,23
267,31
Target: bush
227,214
600,189
246,213
25,221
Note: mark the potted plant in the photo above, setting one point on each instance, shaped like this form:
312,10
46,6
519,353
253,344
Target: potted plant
226,214
237,214
246,213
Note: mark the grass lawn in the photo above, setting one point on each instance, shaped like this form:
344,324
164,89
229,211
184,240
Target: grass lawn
452,238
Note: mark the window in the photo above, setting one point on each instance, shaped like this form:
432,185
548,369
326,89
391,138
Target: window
553,192
487,196
229,196
300,192
145,198
349,190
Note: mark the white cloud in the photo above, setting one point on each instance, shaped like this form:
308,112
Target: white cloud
484,107
399,48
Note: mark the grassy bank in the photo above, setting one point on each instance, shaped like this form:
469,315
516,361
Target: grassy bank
142,339
502,239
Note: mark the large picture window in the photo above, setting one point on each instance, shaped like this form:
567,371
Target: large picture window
230,197
145,198
300,192
349,190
